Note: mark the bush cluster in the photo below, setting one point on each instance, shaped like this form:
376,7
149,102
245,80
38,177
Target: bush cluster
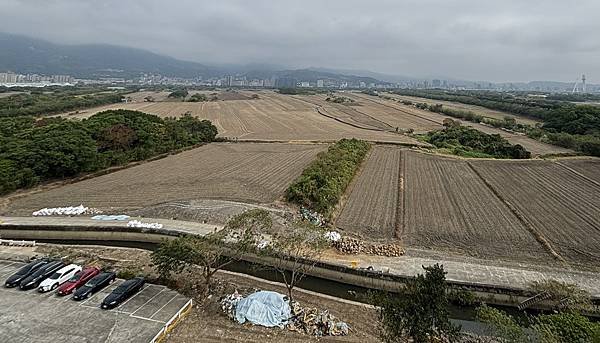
470,142
324,181
35,104
36,150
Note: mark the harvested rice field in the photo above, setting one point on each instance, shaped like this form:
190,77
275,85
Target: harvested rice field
247,172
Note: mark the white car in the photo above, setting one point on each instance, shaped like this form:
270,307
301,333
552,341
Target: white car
59,277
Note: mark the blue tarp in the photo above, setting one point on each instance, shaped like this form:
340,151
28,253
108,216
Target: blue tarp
263,308
110,217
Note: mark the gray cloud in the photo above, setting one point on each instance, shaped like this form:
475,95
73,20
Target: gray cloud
479,40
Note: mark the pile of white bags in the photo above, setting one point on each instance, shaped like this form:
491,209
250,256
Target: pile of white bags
65,211
333,236
137,223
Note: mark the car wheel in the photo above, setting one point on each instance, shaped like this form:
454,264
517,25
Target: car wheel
54,286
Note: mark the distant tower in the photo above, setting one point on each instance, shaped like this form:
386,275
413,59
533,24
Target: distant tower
583,82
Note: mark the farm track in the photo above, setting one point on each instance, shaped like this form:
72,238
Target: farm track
248,172
561,205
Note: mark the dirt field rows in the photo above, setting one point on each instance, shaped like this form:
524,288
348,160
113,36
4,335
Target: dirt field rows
273,117
248,172
371,208
448,206
562,206
589,167
535,147
485,208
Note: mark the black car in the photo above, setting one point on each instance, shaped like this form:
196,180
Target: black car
124,291
94,285
34,280
30,268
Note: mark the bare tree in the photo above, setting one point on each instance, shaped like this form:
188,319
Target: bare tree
214,251
295,252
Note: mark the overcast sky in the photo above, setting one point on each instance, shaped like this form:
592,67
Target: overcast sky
507,40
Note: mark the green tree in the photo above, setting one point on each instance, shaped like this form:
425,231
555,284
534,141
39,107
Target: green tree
419,311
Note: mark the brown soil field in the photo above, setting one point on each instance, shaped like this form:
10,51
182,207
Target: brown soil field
448,206
588,167
486,112
273,117
247,172
563,206
371,207
535,147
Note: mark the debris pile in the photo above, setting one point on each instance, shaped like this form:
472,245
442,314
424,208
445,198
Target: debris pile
333,236
353,246
66,211
228,304
137,223
315,322
313,217
273,309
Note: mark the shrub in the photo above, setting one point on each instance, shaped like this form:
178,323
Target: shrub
324,181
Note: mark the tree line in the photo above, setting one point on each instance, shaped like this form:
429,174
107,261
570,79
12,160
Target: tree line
32,151
323,182
469,142
41,103
565,124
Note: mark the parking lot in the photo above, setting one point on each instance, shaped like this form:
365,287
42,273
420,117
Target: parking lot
30,316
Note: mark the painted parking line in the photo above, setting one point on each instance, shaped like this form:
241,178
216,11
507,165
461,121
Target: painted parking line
165,305
162,290
130,298
6,265
141,297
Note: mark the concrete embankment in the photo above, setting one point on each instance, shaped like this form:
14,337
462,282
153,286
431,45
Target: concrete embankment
67,230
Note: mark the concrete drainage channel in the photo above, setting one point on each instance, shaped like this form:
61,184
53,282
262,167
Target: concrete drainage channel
30,316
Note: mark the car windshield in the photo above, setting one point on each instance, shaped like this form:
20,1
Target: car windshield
76,277
55,276
120,289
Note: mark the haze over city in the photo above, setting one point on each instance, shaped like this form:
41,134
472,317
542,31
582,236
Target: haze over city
473,40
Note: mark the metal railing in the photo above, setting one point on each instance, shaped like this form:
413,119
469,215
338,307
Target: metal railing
183,311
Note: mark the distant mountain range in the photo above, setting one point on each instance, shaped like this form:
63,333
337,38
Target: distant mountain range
28,55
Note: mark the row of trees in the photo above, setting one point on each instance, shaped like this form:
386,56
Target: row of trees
32,150
324,181
469,142
36,103
568,125
291,252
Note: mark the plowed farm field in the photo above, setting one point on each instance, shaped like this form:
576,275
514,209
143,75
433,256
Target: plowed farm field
535,147
371,208
273,117
247,172
448,206
509,210
563,206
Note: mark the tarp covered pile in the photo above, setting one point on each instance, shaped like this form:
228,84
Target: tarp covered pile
272,309
66,211
111,217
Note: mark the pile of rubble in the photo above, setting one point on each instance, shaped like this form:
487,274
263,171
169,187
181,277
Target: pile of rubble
315,322
305,320
313,217
353,246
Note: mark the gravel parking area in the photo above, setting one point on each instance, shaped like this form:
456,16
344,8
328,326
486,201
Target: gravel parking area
29,316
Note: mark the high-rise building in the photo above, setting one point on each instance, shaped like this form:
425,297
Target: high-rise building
320,83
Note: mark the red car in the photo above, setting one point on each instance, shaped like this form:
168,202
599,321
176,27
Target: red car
77,280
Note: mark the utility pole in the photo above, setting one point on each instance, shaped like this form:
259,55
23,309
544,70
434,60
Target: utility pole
583,82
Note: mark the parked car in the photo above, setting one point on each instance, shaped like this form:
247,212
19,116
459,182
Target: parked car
94,285
58,278
34,280
78,280
28,269
123,292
